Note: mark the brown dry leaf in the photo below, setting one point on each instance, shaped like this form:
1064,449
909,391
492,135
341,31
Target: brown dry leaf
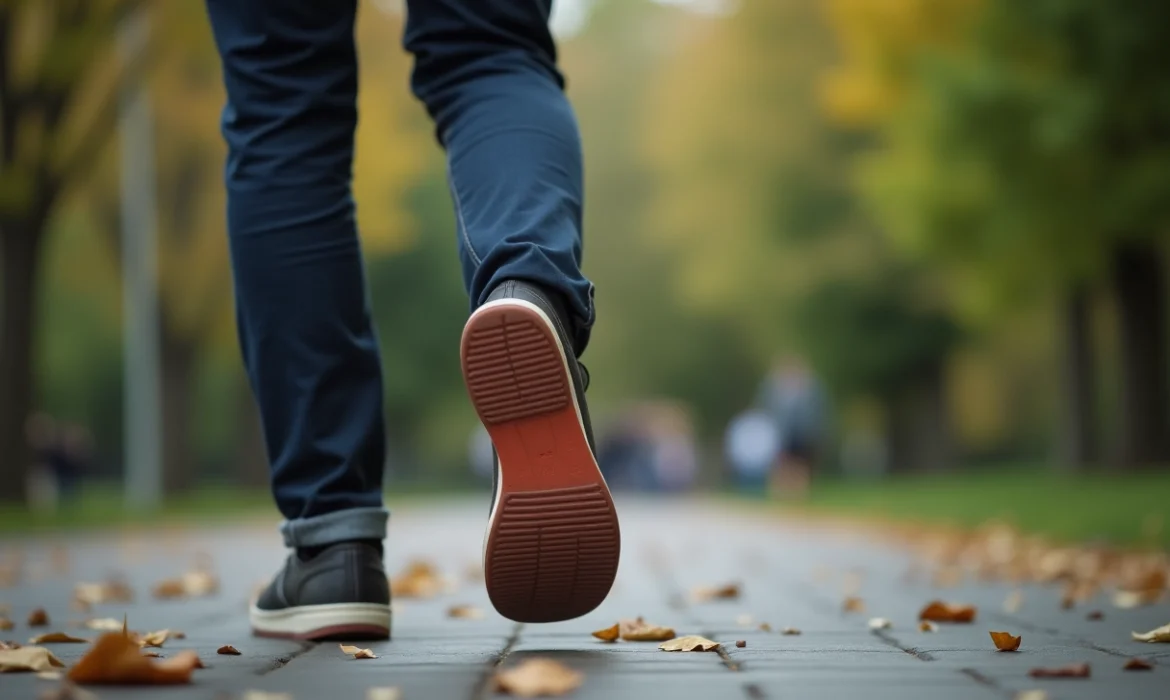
1070,671
153,639
38,618
115,658
740,643
1031,695
420,579
152,655
691,642
57,638
641,631
938,611
1013,602
609,634
168,589
383,694
1004,641
357,652
228,650
728,591
465,612
1137,665
1161,634
764,627
193,584
927,626
538,678
853,604
6,624
105,624
880,623
23,659
790,631
112,591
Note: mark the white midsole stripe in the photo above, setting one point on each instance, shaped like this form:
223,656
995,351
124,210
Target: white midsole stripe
306,618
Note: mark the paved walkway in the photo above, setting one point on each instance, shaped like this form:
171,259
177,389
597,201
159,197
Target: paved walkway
791,576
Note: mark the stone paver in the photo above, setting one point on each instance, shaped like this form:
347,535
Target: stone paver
668,548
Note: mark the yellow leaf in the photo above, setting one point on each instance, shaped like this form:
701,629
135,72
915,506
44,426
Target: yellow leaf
105,624
57,638
853,604
28,659
691,642
419,579
383,694
357,652
537,678
1005,641
1161,634
154,639
638,630
609,634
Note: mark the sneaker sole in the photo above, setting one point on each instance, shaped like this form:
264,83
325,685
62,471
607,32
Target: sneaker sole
552,546
332,621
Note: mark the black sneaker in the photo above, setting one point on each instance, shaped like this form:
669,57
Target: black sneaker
341,592
552,546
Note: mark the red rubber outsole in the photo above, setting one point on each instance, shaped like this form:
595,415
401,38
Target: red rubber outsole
553,542
354,632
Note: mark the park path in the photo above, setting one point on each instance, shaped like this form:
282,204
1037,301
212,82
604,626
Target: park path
792,575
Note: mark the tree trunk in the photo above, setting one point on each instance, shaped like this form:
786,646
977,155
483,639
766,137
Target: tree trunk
20,251
1078,440
177,362
1139,281
251,459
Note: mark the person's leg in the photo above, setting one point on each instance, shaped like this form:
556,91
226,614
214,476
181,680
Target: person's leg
486,71
290,70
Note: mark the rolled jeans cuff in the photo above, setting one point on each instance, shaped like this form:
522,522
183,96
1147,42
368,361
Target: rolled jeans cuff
339,526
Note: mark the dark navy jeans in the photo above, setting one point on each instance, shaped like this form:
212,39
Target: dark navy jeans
486,72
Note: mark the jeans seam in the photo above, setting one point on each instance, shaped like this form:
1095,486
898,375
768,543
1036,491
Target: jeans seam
460,222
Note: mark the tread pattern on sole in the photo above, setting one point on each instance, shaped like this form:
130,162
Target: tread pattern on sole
514,370
553,554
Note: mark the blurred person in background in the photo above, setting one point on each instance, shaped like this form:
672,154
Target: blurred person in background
62,452
486,72
751,447
795,401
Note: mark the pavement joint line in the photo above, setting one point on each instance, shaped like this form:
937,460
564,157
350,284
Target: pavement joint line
483,687
919,654
282,661
987,681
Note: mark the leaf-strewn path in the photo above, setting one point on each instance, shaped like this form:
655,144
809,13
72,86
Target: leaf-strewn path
791,577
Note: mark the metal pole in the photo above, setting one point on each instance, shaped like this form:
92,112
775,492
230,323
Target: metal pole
143,448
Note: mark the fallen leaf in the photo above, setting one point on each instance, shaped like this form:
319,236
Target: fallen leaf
1004,641
6,624
228,650
112,591
50,675
38,618
357,652
419,579
790,631
927,626
938,611
28,659
1012,603
9,645
383,694
1161,634
538,677
741,643
1070,671
152,655
1095,615
1031,695
728,591
765,627
1134,599
153,639
200,583
692,642
105,624
641,631
609,634
57,638
880,623
1138,665
67,691
168,589
464,612
853,604
115,658
264,695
